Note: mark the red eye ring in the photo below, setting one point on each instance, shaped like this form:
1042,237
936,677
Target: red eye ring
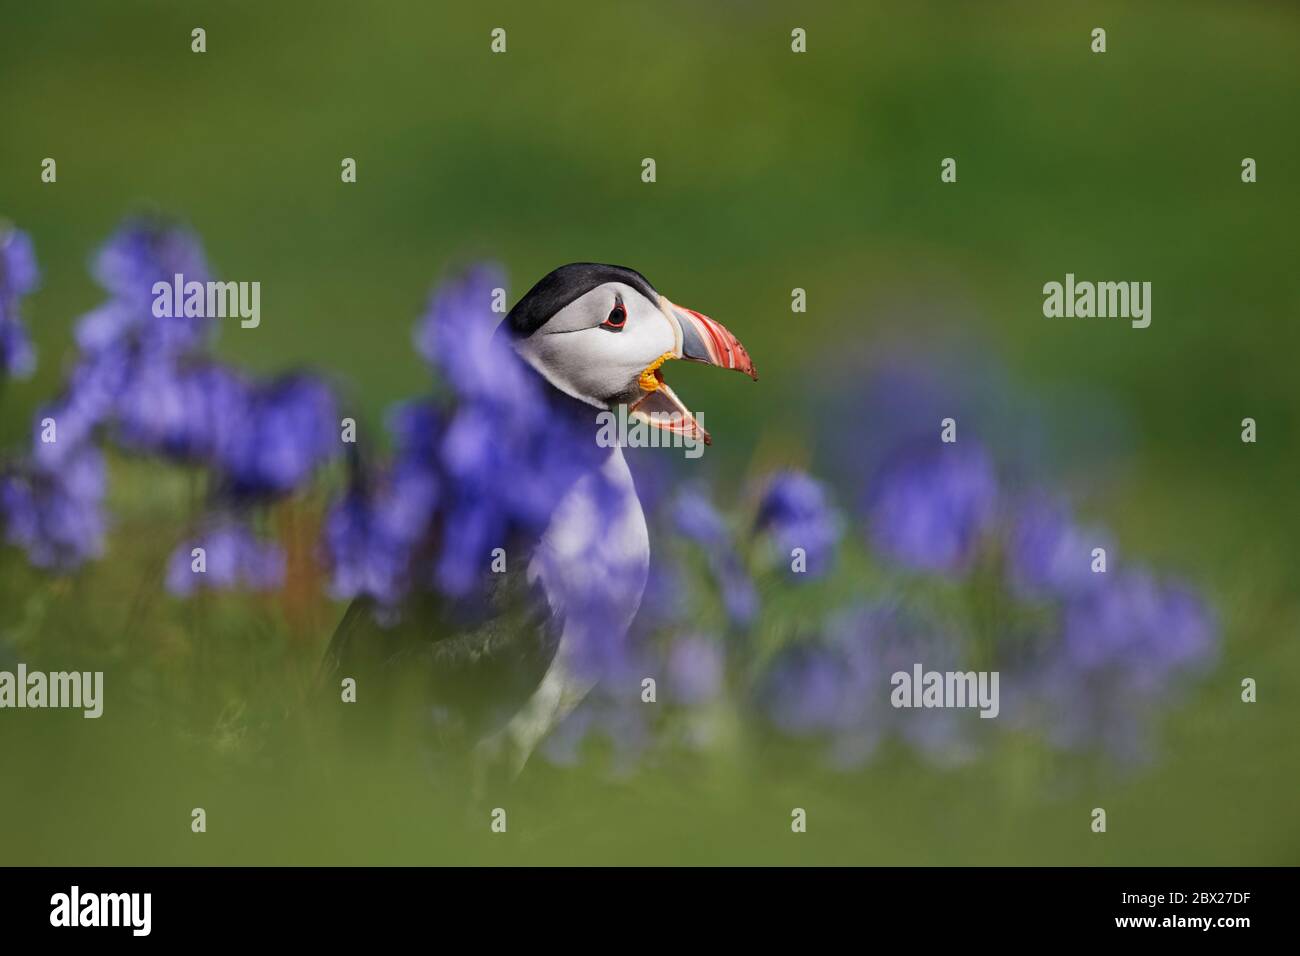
617,318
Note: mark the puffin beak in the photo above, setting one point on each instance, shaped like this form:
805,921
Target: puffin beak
697,338
701,339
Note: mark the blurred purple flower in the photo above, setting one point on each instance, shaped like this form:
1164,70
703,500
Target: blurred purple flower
56,515
285,430
837,689
232,557
796,511
142,252
1049,556
695,669
509,452
800,690
367,560
19,273
662,604
1132,621
929,505
17,358
1119,651
142,382
18,277
146,250
372,532
416,427
63,427
696,519
184,413
457,336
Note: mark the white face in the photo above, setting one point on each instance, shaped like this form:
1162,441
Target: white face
596,348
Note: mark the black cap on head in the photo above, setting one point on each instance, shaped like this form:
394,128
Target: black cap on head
561,286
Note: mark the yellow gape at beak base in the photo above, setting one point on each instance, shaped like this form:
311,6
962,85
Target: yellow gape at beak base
648,381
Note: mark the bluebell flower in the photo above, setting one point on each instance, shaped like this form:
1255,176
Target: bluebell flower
62,427
19,273
506,455
110,324
18,277
931,504
1120,649
182,412
372,532
17,357
98,380
662,604
795,511
287,428
415,483
694,669
56,515
365,561
696,519
1133,621
512,459
456,335
836,689
417,428
233,557
490,471
142,252
1048,555
801,689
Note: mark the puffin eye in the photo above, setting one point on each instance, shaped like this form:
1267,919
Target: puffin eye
617,318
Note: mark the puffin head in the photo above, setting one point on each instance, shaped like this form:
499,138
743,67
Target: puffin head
601,335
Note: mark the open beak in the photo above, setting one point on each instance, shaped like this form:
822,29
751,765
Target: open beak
697,338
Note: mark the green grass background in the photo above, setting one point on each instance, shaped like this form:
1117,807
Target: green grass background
775,170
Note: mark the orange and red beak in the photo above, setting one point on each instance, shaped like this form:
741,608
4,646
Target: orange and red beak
697,338
704,340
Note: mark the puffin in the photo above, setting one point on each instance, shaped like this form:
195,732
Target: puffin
493,682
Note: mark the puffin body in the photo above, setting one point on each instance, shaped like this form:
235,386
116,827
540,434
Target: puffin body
588,533
499,675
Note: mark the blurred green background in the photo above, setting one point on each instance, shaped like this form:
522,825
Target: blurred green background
775,170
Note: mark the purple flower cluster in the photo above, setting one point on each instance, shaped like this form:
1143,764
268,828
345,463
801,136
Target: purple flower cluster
930,506
141,253
1087,644
224,557
697,519
482,471
694,669
1049,555
795,511
147,378
1117,641
836,688
1117,645
56,515
373,531
18,277
145,382
285,429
